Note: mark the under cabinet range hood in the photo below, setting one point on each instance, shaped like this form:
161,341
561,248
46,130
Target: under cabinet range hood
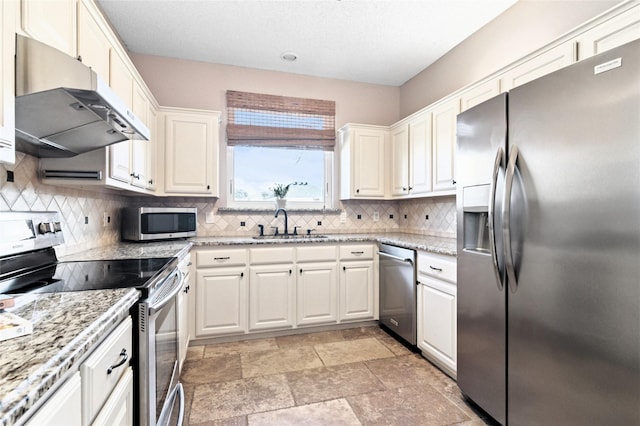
63,108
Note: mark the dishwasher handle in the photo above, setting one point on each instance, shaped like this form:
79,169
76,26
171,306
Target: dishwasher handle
402,259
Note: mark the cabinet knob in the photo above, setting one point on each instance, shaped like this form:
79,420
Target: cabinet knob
357,191
300,270
404,188
344,268
208,187
241,274
453,182
411,188
150,181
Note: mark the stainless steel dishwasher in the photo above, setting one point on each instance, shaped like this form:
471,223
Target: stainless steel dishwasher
398,287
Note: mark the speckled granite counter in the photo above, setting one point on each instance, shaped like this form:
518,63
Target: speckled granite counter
439,245
66,327
175,248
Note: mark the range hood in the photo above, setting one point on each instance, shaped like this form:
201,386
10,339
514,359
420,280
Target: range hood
63,108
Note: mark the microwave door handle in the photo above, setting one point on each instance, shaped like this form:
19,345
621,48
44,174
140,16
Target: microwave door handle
158,305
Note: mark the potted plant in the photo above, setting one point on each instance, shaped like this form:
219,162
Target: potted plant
280,192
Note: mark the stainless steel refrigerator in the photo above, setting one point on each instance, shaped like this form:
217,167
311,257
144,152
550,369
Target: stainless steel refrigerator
549,247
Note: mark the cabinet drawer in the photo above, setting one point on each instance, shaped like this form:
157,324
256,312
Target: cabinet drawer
356,252
272,255
314,253
231,257
437,265
97,382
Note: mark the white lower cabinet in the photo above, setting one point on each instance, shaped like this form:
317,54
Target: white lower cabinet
317,290
184,330
357,282
221,301
118,409
63,408
437,314
271,296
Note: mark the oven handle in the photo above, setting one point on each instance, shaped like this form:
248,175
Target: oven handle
180,392
177,285
402,259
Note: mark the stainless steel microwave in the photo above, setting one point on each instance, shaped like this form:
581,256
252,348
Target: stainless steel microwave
158,223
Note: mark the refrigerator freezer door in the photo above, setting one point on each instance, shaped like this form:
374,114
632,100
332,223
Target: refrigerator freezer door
481,368
574,317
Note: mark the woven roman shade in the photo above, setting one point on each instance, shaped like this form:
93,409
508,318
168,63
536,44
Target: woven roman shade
280,121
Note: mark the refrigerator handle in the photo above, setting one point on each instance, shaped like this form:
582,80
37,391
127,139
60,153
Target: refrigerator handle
497,164
506,219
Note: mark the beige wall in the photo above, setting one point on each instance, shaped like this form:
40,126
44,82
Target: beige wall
191,84
525,27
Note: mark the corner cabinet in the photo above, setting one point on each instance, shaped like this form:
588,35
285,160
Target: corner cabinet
7,101
437,312
191,145
362,161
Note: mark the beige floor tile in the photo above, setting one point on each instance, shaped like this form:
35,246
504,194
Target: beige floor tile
237,398
393,345
214,369
195,352
240,347
403,371
421,405
327,413
352,351
309,339
362,332
321,384
233,421
280,361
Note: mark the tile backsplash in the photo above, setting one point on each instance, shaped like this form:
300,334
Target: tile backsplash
83,212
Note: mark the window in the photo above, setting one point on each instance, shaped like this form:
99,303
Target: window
279,140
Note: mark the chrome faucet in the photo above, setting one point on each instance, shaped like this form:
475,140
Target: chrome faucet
286,220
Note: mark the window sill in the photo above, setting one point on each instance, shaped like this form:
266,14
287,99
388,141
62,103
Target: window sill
236,210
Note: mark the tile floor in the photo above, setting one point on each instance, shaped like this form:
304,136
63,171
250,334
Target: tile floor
348,377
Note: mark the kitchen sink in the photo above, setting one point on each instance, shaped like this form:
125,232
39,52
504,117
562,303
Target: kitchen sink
288,237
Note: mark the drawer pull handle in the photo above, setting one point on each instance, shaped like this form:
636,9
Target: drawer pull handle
222,258
357,252
435,269
124,359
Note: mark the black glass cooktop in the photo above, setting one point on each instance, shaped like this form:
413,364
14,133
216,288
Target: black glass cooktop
86,275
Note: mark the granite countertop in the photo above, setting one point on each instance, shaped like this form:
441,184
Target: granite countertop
66,327
126,250
441,245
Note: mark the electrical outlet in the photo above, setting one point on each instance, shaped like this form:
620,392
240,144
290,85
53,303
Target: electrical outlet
105,219
209,217
343,217
376,216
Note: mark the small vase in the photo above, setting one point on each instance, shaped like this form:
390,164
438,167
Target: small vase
281,203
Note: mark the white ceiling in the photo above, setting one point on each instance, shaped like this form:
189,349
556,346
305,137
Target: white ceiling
371,41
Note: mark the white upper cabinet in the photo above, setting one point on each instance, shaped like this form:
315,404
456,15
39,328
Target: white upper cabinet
121,81
444,144
362,161
191,151
538,66
479,93
612,33
399,144
93,45
152,149
420,154
140,106
52,22
7,101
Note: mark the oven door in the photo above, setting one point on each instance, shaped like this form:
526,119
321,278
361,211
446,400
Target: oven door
158,355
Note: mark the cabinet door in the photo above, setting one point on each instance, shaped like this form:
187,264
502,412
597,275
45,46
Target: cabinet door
437,322
479,94
152,149
52,22
93,45
615,32
399,157
356,291
271,297
118,410
444,145
420,154
7,101
221,301
183,321
317,291
140,107
121,81
63,408
191,153
368,163
543,64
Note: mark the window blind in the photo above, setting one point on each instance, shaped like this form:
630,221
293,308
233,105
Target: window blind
280,121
